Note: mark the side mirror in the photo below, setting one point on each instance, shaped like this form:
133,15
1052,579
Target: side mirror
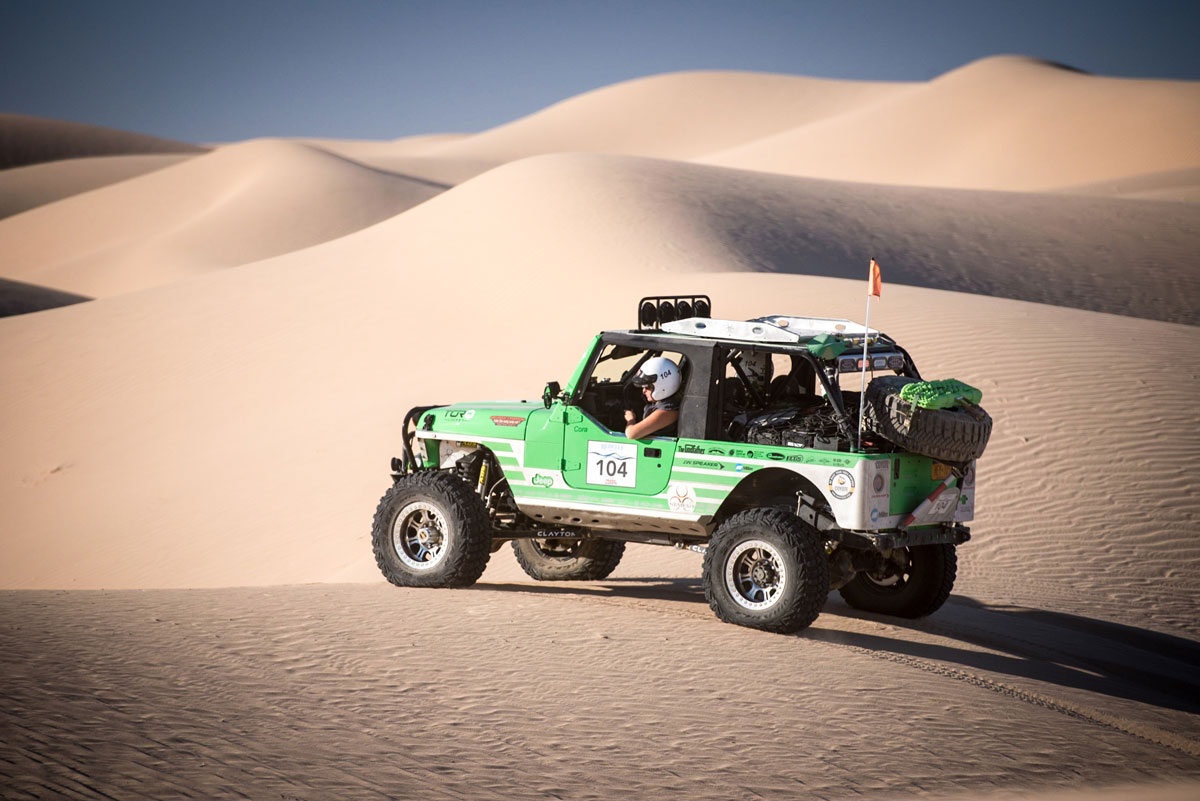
552,391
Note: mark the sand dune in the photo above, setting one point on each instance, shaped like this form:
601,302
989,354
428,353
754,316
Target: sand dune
1173,185
1001,123
32,140
24,188
281,372
679,115
229,424
18,298
238,204
1112,255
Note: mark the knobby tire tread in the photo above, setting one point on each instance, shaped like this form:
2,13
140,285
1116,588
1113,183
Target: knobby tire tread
472,529
800,542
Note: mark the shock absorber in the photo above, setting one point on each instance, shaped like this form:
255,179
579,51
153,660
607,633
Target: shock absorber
481,486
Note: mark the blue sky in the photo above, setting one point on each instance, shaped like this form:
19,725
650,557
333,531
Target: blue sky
219,70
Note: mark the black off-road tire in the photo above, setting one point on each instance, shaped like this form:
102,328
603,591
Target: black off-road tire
915,590
568,560
766,569
951,435
453,521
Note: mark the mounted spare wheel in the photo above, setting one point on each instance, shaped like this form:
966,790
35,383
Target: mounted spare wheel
940,419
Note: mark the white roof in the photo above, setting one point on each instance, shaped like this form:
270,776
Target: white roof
781,328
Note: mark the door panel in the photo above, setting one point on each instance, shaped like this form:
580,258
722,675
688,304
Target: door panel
598,459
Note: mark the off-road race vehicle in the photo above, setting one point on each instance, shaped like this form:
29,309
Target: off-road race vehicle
770,472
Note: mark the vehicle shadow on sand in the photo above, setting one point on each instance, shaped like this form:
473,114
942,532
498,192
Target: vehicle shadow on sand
1066,650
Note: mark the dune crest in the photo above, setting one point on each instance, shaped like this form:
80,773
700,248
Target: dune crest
32,140
1006,123
681,115
238,204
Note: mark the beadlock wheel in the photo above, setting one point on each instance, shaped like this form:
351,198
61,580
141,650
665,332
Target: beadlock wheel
766,569
419,536
431,530
755,575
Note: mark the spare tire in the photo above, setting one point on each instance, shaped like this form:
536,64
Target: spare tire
951,435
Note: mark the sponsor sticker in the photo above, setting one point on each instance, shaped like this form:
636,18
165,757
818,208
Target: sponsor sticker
841,485
509,422
540,480
880,482
681,498
701,463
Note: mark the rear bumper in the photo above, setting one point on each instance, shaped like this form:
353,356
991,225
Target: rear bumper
886,540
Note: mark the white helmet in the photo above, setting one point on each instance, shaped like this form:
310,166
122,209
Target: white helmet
661,375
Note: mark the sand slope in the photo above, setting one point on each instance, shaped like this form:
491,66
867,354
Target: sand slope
678,115
505,691
1103,254
18,298
1001,123
24,188
238,204
32,140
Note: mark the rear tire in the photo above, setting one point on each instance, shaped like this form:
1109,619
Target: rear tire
431,530
568,560
911,582
766,569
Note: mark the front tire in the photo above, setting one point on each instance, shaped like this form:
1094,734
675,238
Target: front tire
766,569
430,530
568,560
909,582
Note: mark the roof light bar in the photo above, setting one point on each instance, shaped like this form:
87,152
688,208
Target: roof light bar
655,311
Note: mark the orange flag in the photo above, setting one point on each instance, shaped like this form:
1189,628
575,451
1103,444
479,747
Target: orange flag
876,280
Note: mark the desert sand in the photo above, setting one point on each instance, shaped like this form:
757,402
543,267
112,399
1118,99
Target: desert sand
191,459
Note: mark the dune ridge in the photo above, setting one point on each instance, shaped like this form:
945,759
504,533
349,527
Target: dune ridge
1007,123
238,204
28,140
24,188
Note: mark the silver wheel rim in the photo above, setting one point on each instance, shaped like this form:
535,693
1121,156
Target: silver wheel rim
755,575
420,535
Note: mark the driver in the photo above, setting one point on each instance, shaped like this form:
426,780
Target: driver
660,382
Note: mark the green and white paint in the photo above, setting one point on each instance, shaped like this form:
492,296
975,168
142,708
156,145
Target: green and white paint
564,467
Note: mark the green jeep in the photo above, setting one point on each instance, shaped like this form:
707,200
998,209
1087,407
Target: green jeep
777,471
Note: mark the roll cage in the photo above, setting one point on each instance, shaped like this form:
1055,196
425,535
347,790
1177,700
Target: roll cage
707,386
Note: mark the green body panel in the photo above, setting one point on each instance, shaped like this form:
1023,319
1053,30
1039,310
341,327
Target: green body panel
912,481
544,438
